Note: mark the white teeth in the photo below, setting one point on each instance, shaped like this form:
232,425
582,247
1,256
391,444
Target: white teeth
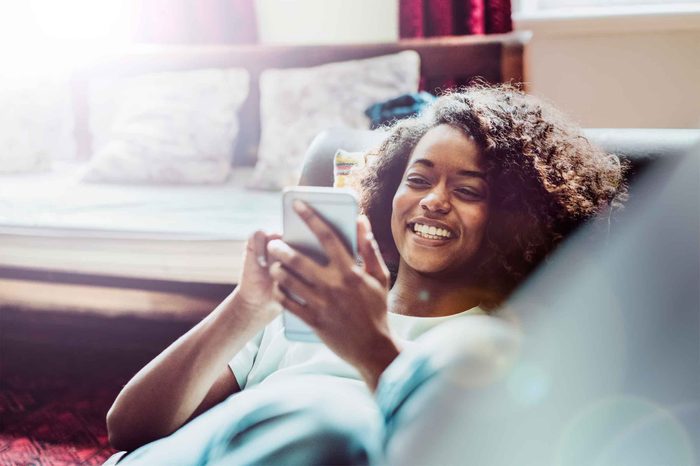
431,231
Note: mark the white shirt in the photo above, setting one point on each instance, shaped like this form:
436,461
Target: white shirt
270,357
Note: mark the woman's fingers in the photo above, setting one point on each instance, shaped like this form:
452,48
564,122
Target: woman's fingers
282,296
370,253
304,266
331,243
259,241
257,246
295,286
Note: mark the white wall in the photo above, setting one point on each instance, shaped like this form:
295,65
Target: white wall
647,76
327,21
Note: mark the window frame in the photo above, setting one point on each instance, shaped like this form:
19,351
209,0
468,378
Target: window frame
615,19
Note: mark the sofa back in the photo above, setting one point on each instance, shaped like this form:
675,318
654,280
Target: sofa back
495,58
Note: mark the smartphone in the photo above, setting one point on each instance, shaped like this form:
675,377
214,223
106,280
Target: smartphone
338,207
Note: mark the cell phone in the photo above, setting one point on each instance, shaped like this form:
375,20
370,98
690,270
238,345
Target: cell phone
338,207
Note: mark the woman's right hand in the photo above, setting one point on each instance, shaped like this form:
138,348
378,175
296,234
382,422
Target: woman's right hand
255,285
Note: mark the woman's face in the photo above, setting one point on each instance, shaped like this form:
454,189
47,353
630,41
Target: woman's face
441,207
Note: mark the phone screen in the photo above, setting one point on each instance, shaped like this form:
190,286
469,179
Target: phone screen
336,206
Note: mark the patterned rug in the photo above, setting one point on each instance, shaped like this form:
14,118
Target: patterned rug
54,394
53,421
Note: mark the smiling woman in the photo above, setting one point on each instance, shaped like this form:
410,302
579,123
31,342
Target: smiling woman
506,175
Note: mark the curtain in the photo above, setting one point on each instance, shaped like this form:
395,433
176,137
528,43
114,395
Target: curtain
190,22
431,18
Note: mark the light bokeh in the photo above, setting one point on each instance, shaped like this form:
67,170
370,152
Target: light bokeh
44,37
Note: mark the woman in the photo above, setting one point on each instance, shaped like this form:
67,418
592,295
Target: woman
464,201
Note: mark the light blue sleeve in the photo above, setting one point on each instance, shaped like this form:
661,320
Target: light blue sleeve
242,363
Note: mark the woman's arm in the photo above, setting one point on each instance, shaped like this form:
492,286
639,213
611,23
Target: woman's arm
192,374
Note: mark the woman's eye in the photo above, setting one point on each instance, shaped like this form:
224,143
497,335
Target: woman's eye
469,193
414,181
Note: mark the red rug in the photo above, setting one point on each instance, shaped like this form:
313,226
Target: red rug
53,420
56,386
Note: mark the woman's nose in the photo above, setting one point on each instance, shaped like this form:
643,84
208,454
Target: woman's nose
436,200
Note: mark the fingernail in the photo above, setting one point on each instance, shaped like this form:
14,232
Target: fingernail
261,261
300,207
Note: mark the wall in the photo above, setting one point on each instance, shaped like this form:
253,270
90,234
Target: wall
327,21
619,71
646,76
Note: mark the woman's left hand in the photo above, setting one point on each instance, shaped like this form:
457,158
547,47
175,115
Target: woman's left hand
345,303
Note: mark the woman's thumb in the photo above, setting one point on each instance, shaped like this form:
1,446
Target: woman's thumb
369,251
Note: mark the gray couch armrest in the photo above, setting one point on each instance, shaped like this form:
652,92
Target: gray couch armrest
643,146
639,146
318,162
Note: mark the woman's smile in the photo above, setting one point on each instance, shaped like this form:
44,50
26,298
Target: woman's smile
435,233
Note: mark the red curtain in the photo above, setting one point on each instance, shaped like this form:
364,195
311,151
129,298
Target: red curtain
430,18
200,22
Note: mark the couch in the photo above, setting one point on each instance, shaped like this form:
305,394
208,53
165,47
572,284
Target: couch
157,285
107,251
119,249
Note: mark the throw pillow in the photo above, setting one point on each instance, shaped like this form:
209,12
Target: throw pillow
35,124
343,164
296,104
173,127
349,168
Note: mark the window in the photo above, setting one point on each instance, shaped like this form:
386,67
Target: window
559,4
570,17
530,8
40,35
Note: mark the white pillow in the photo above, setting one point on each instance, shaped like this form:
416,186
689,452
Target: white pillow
36,124
296,104
172,127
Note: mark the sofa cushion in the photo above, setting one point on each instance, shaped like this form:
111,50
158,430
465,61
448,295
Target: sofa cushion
35,124
296,104
172,127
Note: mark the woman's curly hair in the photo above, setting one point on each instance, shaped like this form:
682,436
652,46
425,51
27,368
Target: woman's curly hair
545,178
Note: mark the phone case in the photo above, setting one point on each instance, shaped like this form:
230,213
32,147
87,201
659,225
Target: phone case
339,208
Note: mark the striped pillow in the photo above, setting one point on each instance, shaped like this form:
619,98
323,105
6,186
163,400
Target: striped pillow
343,164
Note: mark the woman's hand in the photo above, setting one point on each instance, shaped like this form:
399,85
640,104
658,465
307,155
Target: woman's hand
345,303
254,291
192,374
